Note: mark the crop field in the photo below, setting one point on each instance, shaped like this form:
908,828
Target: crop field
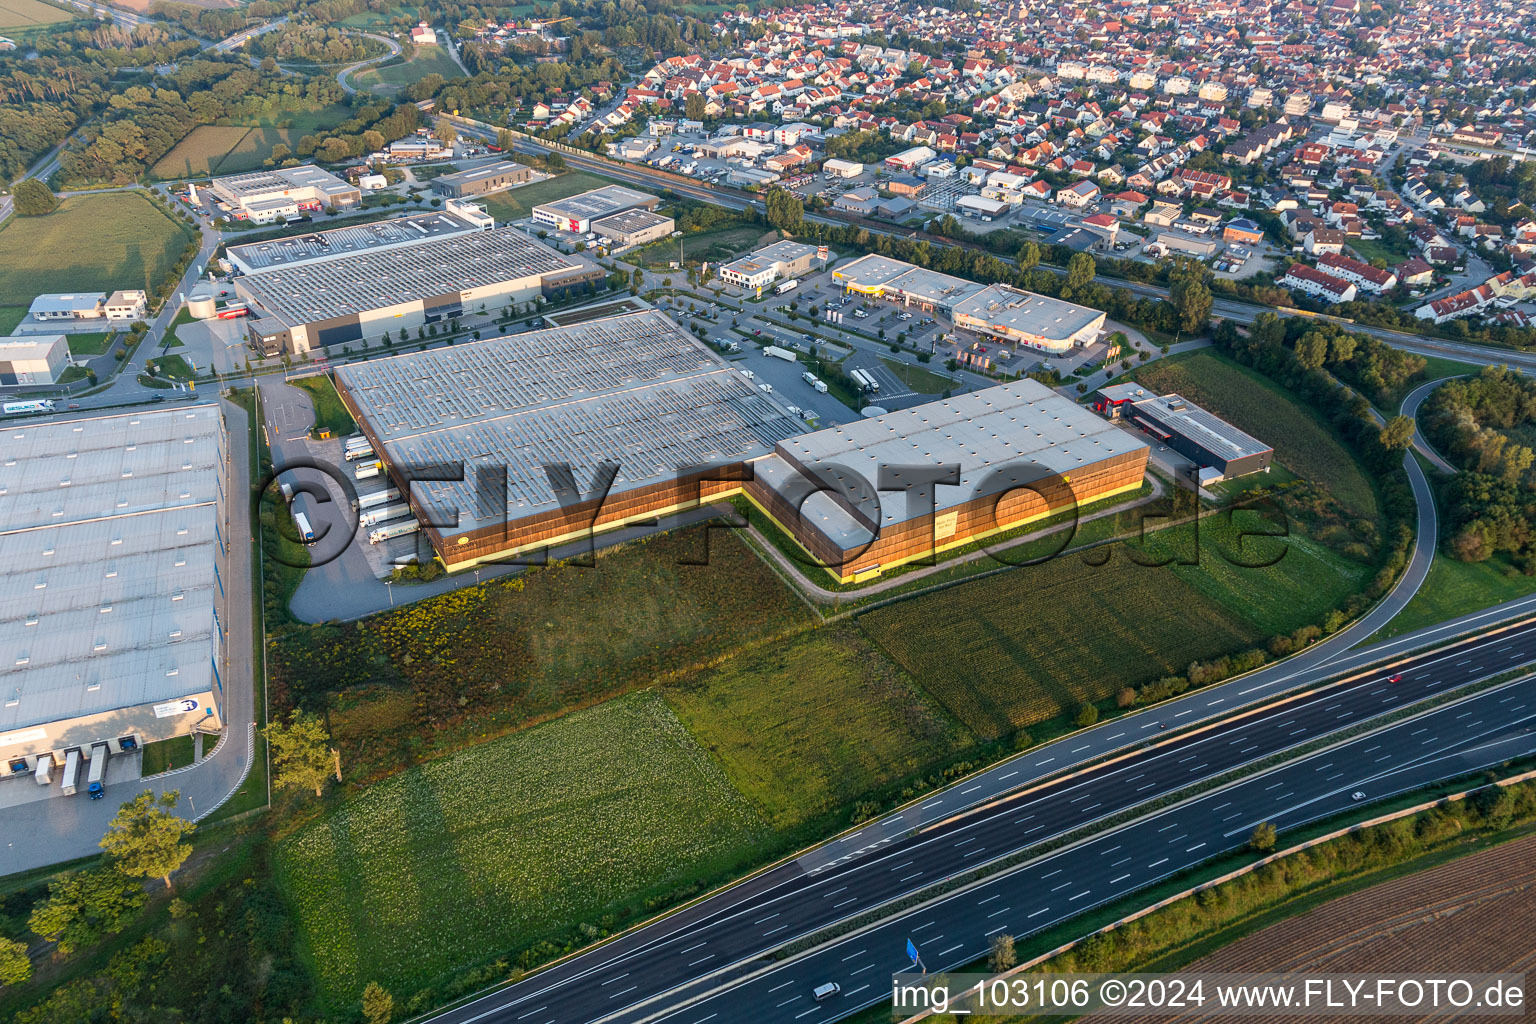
90,243
516,203
212,149
1027,645
1475,914
20,14
803,726
390,78
1306,445
492,657
1011,650
507,842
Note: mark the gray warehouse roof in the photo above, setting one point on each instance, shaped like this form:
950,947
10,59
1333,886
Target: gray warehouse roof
630,220
632,389
319,245
375,279
108,532
1024,425
1211,432
491,170
597,203
1027,312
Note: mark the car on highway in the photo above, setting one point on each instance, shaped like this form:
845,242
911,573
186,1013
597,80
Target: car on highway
826,990
1396,677
1357,795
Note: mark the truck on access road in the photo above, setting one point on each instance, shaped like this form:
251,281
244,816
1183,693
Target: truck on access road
786,286
306,532
779,353
39,405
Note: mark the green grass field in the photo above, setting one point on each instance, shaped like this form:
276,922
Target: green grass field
803,725
1454,588
711,246
924,382
10,316
485,659
167,754
391,78
1306,446
22,14
330,414
92,344
1025,646
200,152
516,203
509,841
90,243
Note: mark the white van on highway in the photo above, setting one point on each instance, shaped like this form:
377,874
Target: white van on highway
826,990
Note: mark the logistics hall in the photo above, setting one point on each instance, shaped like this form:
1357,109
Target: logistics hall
111,531
638,391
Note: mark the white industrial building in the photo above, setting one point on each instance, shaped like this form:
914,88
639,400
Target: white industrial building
112,531
262,197
577,213
34,359
68,306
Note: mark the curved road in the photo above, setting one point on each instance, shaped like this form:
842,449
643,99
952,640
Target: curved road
345,73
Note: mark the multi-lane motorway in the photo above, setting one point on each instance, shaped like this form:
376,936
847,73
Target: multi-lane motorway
721,940
956,929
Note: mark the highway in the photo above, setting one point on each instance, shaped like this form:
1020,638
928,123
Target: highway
955,930
717,940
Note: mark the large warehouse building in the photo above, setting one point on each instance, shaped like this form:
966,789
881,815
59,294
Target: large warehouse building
457,217
635,390
1022,453
477,181
577,213
1219,450
364,294
111,530
633,227
997,311
638,391
35,359
782,259
266,196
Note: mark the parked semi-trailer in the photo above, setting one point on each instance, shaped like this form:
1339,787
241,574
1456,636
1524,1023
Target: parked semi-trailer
786,286
306,532
357,442
864,379
814,381
44,773
96,782
368,470
365,452
71,771
383,497
779,353
393,530
383,513
39,405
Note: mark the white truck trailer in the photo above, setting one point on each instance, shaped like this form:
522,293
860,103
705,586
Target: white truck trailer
779,353
392,530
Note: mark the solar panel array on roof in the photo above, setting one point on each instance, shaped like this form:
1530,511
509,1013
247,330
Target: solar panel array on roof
373,280
296,249
633,389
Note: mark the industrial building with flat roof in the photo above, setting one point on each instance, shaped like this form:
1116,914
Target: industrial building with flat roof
784,259
111,530
998,311
364,294
577,213
635,390
477,181
265,196
456,218
633,227
34,359
1219,450
1019,452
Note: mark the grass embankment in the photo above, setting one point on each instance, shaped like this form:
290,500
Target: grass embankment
91,243
330,413
392,76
